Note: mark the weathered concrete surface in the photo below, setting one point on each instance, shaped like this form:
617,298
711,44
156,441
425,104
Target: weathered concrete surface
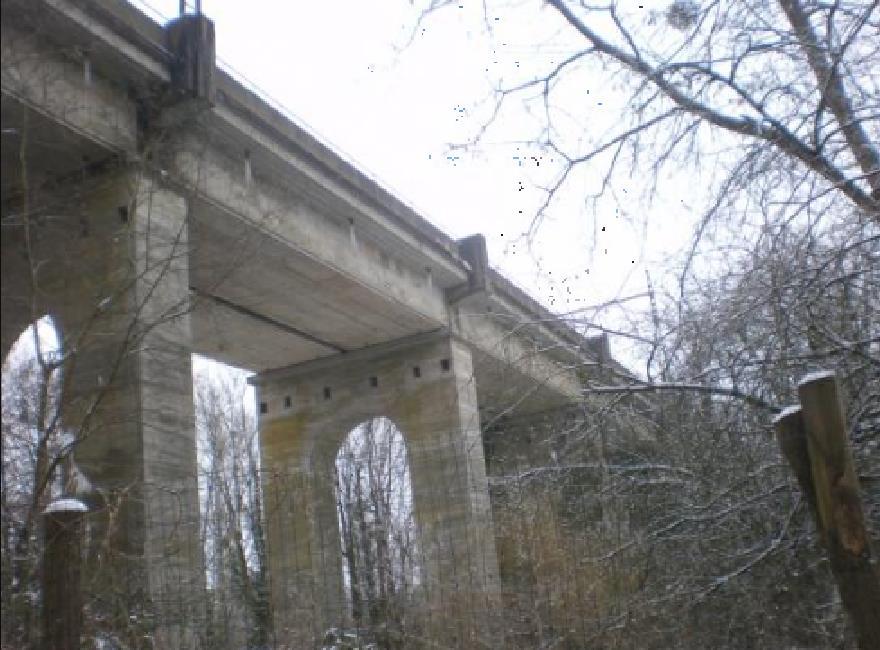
244,238
48,78
110,267
285,237
425,386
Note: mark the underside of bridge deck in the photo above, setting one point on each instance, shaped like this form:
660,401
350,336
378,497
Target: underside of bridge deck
150,224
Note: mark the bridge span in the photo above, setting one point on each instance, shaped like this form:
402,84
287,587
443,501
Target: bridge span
154,207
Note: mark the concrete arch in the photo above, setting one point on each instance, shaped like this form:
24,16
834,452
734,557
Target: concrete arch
425,385
23,349
28,390
48,329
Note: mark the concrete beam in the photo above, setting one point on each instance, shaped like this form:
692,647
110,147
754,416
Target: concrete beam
50,82
361,356
332,164
374,220
309,231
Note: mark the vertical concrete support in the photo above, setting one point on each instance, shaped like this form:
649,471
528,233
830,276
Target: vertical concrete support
131,392
426,386
111,267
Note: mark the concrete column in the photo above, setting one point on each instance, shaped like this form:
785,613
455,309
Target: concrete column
425,385
138,436
111,262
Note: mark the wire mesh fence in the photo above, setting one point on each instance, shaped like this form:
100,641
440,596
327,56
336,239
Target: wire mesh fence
626,543
297,577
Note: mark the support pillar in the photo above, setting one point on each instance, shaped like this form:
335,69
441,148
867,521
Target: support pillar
110,260
425,385
131,391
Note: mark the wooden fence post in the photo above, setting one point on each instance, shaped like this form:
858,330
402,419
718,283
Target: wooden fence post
814,441
792,436
62,593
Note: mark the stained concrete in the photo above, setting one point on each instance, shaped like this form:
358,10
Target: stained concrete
426,386
281,228
169,222
109,265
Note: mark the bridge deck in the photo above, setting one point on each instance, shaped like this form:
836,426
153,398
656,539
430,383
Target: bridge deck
295,253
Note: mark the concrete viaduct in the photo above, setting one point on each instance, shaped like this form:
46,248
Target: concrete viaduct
153,207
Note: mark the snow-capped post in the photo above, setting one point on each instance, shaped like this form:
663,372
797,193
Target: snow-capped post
792,436
62,597
814,441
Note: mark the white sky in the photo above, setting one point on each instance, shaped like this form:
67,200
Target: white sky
347,71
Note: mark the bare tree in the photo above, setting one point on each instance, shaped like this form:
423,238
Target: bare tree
778,96
377,527
775,108
232,511
32,440
669,494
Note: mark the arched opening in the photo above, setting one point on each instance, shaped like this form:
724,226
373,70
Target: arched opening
32,436
34,450
378,533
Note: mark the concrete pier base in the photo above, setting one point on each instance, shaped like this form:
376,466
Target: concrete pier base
425,386
107,259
